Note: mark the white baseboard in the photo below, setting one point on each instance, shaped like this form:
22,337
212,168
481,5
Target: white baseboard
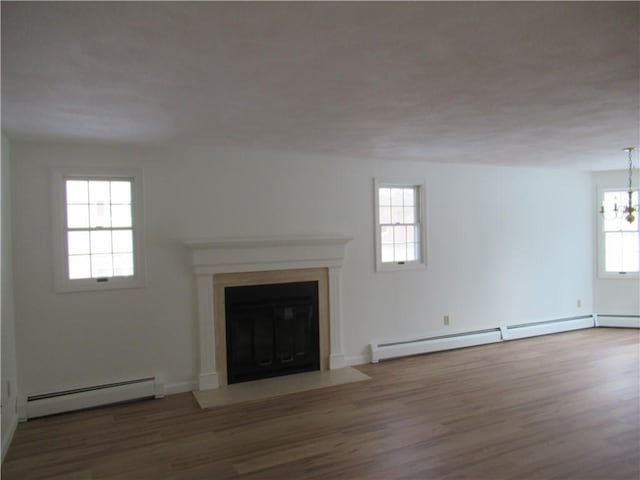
336,361
207,381
7,436
619,321
180,387
357,360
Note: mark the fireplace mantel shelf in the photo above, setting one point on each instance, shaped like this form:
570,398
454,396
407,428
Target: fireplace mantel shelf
248,242
214,256
229,255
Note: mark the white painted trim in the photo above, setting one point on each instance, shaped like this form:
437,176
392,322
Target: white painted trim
7,436
207,381
602,274
61,282
336,357
622,321
208,377
421,263
336,361
180,387
258,254
263,242
357,360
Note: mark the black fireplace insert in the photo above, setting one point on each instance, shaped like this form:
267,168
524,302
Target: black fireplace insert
272,330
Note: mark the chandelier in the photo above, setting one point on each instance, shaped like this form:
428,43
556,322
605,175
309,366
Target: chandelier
629,210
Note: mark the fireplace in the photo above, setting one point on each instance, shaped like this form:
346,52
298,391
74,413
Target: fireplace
225,263
271,330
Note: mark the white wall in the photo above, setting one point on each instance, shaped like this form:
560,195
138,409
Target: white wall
502,249
610,295
9,378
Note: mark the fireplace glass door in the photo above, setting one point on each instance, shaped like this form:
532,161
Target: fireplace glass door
271,330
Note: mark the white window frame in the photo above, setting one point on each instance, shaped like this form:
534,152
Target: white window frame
419,186
602,273
61,280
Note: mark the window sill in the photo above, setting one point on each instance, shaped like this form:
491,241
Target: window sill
92,285
619,276
396,267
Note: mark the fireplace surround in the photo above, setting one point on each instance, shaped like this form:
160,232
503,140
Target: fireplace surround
223,262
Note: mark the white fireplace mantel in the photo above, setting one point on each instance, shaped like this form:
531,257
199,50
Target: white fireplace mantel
231,255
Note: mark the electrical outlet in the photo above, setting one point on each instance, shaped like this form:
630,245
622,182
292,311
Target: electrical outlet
579,303
446,319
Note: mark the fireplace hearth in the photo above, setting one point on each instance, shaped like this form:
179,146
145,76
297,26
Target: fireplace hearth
271,330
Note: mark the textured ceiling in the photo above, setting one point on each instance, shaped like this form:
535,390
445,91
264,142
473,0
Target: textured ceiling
554,84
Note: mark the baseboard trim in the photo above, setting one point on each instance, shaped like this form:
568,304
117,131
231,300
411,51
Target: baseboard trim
357,360
208,380
7,436
181,387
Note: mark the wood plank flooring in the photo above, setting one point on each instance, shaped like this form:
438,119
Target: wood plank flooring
560,406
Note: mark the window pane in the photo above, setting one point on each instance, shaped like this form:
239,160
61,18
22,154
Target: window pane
399,234
412,251
123,264
77,191
387,253
611,223
400,252
396,196
633,226
101,241
100,215
411,234
121,192
384,196
409,197
78,243
613,252
121,215
77,216
630,252
79,267
386,234
409,215
101,266
122,241
385,215
99,192
615,221
396,215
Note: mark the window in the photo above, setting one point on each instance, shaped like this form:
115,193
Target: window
97,230
619,241
399,221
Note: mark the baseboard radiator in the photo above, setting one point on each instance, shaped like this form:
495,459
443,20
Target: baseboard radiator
617,321
406,347
89,397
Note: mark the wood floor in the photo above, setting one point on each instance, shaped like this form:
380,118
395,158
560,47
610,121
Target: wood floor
560,406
